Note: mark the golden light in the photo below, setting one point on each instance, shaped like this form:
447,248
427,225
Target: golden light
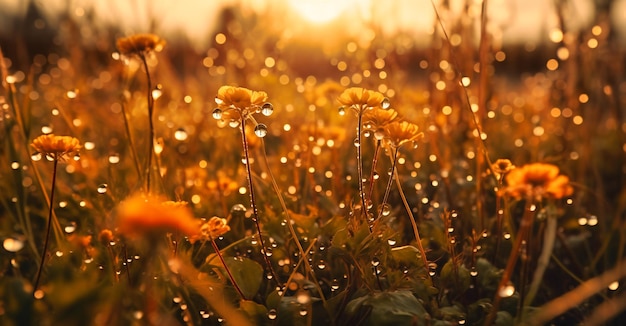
321,11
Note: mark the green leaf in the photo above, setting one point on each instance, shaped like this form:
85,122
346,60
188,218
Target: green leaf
247,273
456,278
389,308
256,312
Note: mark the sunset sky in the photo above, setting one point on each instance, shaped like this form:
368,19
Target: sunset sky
518,20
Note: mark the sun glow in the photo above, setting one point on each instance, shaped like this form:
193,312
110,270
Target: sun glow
321,11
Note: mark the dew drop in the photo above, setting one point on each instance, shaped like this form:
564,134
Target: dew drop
46,129
180,134
138,314
375,261
474,272
392,242
234,123
342,110
70,228
357,142
217,113
218,101
36,156
114,158
614,286
59,253
386,210
271,314
303,297
157,92
321,264
367,133
269,252
12,244
102,189
304,311
385,104
267,109
238,208
379,134
260,130
506,291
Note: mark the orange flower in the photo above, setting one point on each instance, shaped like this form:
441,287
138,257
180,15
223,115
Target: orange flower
538,180
501,167
377,118
140,44
399,133
215,227
361,98
211,229
229,97
58,147
152,216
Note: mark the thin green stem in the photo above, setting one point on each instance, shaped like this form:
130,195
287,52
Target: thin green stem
230,275
255,210
49,225
372,173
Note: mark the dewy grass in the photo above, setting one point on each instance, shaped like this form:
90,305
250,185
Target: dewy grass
456,240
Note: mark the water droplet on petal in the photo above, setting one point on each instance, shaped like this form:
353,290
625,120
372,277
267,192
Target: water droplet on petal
36,156
218,101
267,109
385,104
217,113
260,130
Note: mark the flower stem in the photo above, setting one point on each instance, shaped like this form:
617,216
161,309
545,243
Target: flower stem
150,100
407,207
548,244
230,275
359,165
49,224
255,210
374,163
525,225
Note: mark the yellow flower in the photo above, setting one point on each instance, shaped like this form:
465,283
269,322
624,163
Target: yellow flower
375,120
140,44
106,236
215,227
361,98
501,167
399,133
537,180
211,229
153,215
229,97
58,147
